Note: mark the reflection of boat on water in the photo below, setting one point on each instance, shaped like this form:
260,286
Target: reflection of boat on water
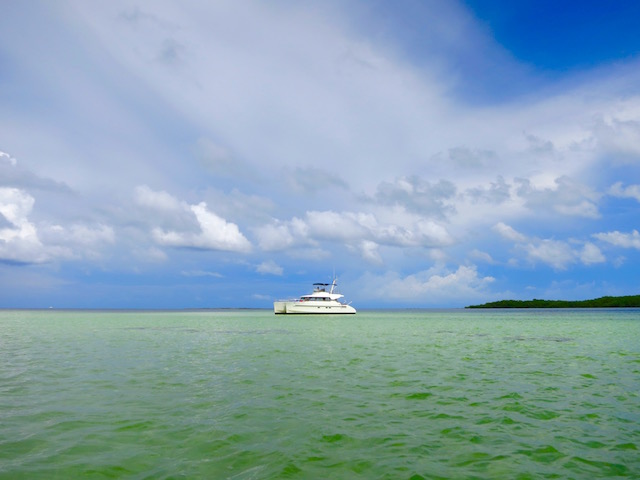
320,301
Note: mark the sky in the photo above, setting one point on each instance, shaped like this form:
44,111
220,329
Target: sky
434,153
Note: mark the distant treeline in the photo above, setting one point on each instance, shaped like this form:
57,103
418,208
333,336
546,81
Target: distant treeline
602,302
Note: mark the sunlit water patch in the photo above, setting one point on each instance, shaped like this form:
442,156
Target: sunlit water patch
250,395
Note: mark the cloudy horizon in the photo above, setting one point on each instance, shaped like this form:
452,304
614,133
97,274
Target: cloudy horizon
225,154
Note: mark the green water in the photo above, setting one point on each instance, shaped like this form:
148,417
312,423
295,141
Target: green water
380,395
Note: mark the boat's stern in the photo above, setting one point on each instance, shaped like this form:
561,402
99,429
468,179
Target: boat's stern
279,307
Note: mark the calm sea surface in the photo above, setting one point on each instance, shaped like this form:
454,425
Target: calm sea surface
380,395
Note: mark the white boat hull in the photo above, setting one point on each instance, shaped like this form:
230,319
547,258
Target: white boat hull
317,308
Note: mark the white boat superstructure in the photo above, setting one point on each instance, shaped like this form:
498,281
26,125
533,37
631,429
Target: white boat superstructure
320,301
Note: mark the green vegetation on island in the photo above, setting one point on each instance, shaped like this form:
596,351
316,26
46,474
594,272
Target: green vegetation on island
602,302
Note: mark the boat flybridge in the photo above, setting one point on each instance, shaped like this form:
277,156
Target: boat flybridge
320,301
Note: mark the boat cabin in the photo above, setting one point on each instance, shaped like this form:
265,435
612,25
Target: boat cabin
320,287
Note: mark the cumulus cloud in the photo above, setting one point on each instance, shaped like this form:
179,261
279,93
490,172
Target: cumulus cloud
370,251
351,229
481,256
424,286
243,127
87,240
22,241
355,226
538,145
19,240
538,196
280,235
555,253
509,232
496,192
8,159
591,254
193,226
215,233
339,226
558,254
620,137
566,197
630,191
145,196
418,195
620,239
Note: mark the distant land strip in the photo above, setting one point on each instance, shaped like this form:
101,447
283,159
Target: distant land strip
602,302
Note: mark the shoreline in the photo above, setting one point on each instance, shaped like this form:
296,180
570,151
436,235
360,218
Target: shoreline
627,301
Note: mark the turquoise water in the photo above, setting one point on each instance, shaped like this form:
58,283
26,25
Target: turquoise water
380,395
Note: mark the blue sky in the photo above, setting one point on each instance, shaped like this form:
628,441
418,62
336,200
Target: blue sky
224,154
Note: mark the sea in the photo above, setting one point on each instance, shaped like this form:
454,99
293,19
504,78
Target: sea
246,394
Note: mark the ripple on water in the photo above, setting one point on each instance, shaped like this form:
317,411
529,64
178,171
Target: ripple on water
250,396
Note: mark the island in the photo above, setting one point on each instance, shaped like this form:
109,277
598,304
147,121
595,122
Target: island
602,302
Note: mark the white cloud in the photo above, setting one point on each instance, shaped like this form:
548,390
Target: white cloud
425,286
565,196
370,252
619,136
508,232
620,239
432,234
418,195
352,229
192,226
345,226
80,235
22,241
539,146
223,110
351,226
591,254
143,195
269,267
552,252
496,193
558,254
19,240
277,235
215,233
631,191
6,158
15,206
78,241
481,256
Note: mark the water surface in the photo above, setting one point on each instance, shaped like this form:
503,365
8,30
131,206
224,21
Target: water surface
250,395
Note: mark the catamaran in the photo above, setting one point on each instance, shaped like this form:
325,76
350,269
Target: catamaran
321,302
